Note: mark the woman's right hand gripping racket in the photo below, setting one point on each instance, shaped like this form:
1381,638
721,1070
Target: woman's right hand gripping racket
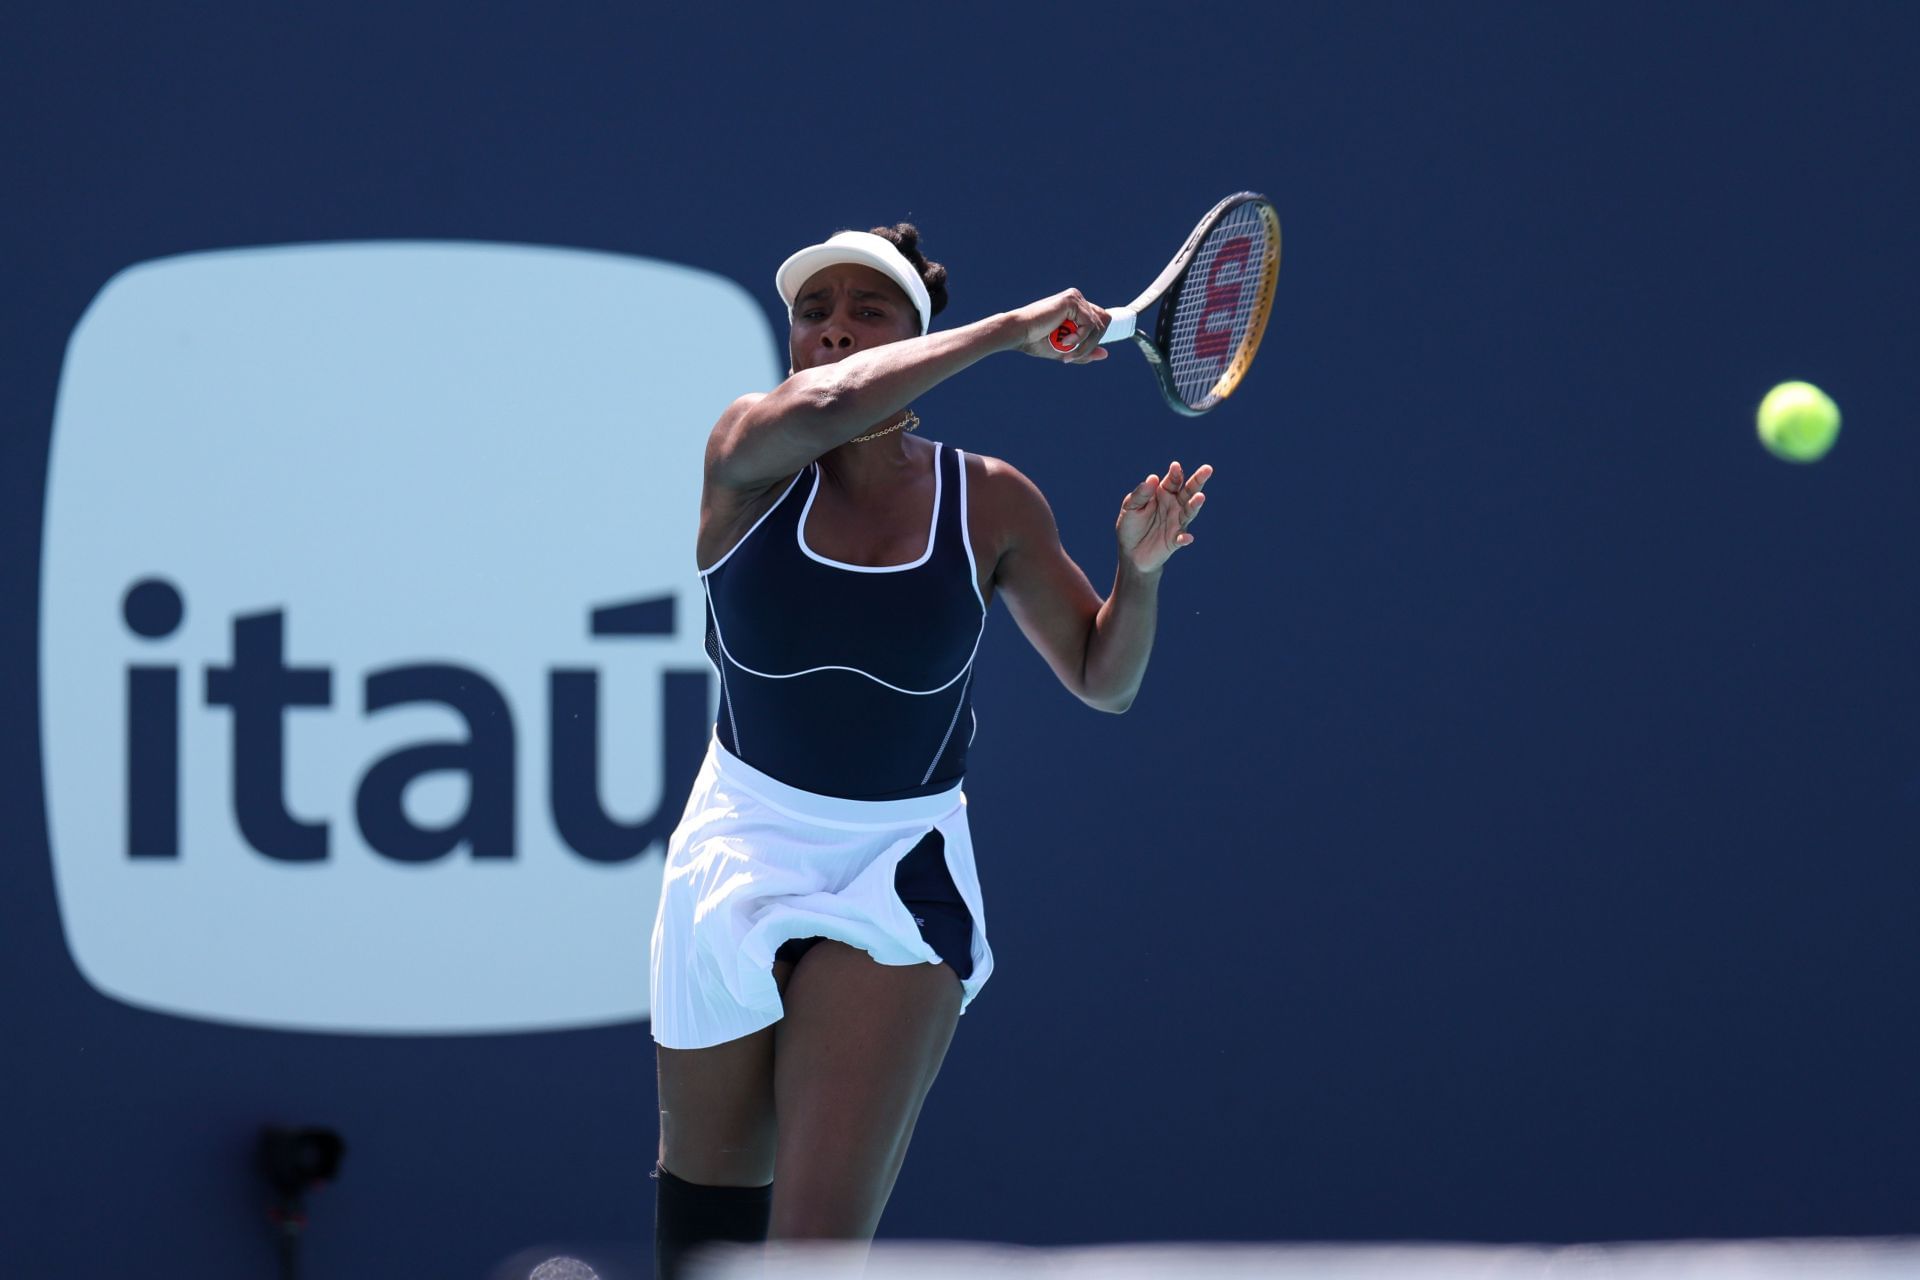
1214,298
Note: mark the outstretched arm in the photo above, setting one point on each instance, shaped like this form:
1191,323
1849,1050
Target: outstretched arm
1098,648
766,436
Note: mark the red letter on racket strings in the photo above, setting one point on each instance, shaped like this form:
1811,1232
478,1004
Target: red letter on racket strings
1210,343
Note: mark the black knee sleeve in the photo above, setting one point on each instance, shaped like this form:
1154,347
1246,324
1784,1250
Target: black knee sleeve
687,1215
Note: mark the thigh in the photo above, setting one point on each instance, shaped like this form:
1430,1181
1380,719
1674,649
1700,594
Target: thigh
854,1056
716,1112
716,1109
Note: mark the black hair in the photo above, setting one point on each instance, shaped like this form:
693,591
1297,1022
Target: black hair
906,238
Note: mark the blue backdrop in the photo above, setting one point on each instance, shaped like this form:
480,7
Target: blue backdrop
1516,837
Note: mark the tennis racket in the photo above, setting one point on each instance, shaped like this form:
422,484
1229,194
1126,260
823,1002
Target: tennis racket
1214,298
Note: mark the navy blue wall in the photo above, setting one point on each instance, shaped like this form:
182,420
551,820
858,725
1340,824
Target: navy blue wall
1516,838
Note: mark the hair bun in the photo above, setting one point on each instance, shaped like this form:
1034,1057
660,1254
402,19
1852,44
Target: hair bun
905,237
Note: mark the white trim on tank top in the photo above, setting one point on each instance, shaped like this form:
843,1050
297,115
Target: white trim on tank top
933,529
973,580
721,639
777,502
966,535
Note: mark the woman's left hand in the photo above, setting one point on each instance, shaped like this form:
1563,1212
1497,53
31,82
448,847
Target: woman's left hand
1154,517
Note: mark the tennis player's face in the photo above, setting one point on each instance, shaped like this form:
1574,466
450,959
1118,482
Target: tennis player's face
847,308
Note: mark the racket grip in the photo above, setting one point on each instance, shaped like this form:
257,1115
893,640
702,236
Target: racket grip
1121,327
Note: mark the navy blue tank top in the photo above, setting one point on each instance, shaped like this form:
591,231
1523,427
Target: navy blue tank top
849,680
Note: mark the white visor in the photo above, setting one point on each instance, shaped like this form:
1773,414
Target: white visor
868,250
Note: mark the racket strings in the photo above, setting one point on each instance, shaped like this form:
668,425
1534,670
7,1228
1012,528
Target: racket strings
1219,302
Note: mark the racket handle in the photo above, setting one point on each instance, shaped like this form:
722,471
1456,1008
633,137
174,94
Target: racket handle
1124,321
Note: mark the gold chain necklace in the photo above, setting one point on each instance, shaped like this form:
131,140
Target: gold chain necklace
911,421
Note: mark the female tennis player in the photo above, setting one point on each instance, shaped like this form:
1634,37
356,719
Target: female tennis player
820,925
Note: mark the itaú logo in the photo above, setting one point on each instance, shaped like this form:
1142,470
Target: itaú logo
371,668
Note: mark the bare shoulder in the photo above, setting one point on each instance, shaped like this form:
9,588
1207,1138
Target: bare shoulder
721,436
1004,489
727,511
1006,508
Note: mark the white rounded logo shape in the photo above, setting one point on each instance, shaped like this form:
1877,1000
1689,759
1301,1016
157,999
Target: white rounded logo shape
371,643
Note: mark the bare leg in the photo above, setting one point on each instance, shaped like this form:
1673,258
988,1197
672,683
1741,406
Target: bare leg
716,1110
854,1057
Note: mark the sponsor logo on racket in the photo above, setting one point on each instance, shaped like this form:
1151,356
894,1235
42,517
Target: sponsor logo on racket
1226,280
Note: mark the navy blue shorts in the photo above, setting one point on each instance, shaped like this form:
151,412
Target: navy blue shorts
926,887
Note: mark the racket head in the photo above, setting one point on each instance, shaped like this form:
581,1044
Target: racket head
1218,292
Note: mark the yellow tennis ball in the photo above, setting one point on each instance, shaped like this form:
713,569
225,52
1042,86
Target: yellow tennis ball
1799,422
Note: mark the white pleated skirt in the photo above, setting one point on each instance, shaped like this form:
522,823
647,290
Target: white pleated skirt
755,863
